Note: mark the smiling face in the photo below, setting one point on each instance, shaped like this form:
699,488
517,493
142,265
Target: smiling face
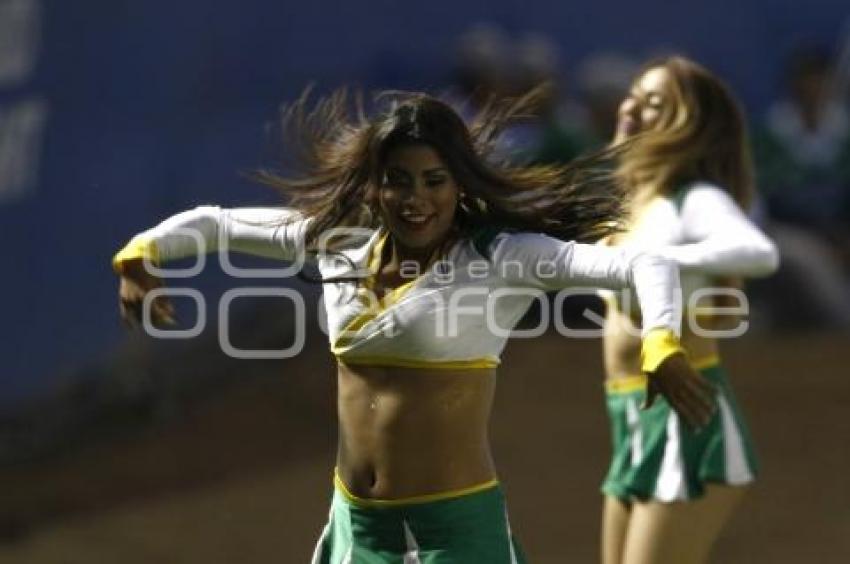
417,199
650,96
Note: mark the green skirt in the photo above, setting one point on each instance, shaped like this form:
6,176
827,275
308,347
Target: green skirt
468,528
657,457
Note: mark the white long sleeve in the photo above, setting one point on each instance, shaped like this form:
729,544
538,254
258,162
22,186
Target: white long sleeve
551,264
718,239
412,326
268,232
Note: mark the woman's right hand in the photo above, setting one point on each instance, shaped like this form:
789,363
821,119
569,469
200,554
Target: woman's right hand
691,395
135,283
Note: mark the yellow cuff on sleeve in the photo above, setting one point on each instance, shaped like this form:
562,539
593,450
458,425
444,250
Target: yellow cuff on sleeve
658,344
137,248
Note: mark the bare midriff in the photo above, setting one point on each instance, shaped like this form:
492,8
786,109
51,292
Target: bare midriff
406,432
622,344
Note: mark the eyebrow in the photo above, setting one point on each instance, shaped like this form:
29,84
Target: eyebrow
436,170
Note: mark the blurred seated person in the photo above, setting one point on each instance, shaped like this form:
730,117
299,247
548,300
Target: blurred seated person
803,159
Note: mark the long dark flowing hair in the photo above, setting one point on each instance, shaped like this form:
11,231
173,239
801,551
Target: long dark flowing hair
336,154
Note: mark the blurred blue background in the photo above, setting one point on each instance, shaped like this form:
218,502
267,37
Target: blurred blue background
116,447
115,114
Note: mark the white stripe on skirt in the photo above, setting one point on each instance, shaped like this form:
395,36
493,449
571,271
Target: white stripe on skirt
635,431
412,554
737,469
319,550
671,484
510,538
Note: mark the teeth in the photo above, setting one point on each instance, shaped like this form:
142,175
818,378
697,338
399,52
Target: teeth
414,218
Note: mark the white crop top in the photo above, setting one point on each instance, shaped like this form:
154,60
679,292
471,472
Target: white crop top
456,314
706,234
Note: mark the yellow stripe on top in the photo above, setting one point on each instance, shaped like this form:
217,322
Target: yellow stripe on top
629,384
427,498
395,295
626,385
392,297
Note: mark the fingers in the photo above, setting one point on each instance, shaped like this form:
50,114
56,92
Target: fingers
162,312
687,392
132,312
128,315
696,403
134,287
651,394
134,272
702,395
694,409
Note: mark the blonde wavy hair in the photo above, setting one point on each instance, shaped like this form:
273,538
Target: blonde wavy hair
700,135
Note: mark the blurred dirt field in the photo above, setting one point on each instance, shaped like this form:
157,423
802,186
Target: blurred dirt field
244,476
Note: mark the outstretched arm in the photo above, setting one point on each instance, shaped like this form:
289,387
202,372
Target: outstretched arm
722,241
269,232
551,264
656,283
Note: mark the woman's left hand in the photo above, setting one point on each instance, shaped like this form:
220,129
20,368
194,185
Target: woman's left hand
687,392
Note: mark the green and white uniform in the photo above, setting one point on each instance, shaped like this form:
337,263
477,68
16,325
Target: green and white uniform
463,527
657,457
498,276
